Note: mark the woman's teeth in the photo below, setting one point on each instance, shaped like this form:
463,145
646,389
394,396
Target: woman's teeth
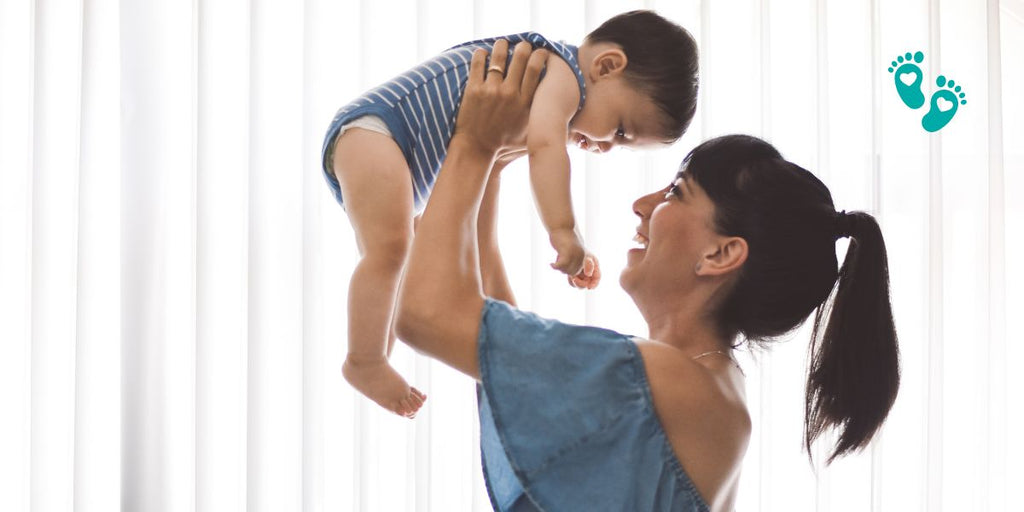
641,240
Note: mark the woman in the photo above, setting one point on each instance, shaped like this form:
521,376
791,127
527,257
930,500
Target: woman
740,246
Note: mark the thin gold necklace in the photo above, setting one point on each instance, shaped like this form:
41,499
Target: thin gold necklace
724,353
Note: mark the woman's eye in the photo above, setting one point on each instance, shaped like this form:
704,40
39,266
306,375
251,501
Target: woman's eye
673,191
621,133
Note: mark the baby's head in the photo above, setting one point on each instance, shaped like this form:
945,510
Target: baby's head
652,59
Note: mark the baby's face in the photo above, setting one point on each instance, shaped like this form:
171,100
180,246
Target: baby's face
615,114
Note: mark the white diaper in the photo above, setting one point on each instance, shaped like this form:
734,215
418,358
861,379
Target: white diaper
369,122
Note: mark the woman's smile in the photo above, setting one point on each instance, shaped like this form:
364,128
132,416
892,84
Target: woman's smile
637,252
641,239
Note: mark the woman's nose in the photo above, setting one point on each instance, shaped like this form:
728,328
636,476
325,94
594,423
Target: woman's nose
643,206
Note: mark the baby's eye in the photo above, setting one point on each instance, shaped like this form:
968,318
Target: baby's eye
620,133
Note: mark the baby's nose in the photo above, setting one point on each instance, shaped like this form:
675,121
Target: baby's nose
604,147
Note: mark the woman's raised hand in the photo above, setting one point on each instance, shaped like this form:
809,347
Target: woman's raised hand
496,105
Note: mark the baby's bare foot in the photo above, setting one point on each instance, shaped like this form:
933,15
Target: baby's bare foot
378,381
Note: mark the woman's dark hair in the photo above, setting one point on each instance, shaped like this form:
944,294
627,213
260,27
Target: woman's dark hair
790,224
661,63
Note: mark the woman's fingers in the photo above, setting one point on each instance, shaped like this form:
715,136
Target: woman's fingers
495,108
524,72
499,56
519,57
531,79
476,67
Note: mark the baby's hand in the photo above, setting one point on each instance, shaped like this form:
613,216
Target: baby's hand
570,251
590,277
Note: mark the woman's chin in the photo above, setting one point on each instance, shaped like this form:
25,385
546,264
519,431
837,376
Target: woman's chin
633,255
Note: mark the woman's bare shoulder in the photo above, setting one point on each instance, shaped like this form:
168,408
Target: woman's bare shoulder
703,412
688,385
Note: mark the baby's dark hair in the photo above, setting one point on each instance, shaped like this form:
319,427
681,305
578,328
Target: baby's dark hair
790,224
661,62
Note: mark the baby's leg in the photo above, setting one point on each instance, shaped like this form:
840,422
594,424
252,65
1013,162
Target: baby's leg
391,332
376,187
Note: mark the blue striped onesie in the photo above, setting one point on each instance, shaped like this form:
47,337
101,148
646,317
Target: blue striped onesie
419,108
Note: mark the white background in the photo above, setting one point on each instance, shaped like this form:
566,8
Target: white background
173,269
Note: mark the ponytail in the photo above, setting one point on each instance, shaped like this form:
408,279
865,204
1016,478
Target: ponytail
854,370
789,221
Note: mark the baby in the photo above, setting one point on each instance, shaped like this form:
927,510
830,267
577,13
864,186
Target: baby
633,83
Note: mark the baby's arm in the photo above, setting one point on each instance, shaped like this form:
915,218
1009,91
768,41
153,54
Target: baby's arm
553,106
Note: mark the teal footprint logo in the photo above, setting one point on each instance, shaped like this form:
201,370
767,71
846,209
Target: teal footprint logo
943,104
908,78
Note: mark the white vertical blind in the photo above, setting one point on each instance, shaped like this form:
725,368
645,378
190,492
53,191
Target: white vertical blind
995,305
275,258
222,254
158,252
97,449
55,150
17,59
174,271
1011,36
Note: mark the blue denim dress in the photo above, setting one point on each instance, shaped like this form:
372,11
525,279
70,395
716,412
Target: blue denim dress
567,421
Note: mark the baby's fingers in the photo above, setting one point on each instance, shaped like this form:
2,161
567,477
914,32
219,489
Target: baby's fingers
583,282
590,276
589,263
595,278
575,282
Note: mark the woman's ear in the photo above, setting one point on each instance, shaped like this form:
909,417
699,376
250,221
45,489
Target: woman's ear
609,62
728,256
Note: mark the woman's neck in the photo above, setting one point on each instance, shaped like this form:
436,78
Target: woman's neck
686,327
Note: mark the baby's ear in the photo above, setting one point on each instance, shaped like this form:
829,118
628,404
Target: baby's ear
610,62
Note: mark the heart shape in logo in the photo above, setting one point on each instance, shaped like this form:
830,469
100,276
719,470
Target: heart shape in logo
944,105
908,78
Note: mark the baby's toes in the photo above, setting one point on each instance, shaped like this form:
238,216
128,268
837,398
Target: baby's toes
412,409
408,408
418,394
415,401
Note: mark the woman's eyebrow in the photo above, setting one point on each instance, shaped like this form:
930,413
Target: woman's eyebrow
685,177
686,182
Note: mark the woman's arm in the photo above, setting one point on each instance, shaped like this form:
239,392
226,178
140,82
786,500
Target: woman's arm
440,299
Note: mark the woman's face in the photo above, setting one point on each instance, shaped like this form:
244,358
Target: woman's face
675,232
